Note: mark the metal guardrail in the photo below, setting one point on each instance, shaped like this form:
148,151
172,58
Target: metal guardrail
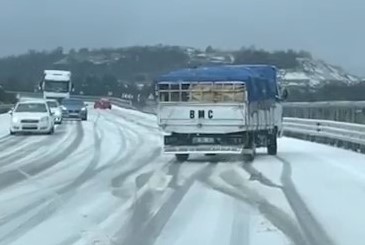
349,135
332,132
324,104
113,100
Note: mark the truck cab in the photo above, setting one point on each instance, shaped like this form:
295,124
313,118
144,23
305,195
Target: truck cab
217,110
56,84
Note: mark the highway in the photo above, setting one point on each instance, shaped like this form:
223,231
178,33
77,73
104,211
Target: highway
105,181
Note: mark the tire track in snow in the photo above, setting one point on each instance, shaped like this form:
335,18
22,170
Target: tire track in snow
275,215
24,175
19,151
32,222
117,181
314,232
62,196
8,140
35,204
4,138
145,233
138,121
12,143
257,175
35,166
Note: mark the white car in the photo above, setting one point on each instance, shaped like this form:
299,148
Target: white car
32,117
56,110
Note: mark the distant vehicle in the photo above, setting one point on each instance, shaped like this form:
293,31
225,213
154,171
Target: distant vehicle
220,110
56,85
103,104
56,110
74,108
32,117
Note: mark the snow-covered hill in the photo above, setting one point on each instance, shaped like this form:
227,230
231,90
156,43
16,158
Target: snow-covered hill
316,73
310,72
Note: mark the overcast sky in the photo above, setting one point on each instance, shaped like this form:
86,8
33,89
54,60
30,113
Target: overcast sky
331,29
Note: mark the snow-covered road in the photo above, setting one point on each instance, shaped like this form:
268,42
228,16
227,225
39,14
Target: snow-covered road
105,181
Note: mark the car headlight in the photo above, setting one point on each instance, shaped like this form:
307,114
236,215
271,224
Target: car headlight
83,108
64,108
44,119
15,120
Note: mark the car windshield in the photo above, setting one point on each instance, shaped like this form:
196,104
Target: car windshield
56,86
67,102
31,107
52,104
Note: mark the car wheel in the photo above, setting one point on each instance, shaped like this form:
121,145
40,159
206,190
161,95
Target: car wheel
182,157
51,131
12,133
84,118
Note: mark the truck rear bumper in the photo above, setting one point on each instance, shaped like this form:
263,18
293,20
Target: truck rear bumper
206,149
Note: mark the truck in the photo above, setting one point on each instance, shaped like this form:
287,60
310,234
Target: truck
56,84
230,109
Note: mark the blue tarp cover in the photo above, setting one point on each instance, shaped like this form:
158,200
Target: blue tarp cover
265,71
259,79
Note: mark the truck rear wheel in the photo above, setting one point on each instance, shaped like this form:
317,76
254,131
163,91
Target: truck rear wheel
249,151
182,157
272,144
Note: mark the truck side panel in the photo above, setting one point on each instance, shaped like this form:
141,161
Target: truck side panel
217,118
202,118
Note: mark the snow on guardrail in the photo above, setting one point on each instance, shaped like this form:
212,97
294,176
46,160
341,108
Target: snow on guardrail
116,101
113,100
350,135
331,132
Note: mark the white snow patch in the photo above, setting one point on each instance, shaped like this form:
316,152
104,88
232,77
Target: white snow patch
295,76
269,166
253,190
4,124
332,182
130,112
223,218
187,170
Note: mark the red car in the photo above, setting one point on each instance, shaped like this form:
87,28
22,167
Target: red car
103,104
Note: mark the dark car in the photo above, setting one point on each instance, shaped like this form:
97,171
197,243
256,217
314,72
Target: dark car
74,108
103,104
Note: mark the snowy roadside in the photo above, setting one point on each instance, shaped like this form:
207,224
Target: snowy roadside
267,199
5,124
329,180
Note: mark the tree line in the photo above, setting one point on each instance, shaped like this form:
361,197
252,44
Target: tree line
283,59
330,92
121,70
